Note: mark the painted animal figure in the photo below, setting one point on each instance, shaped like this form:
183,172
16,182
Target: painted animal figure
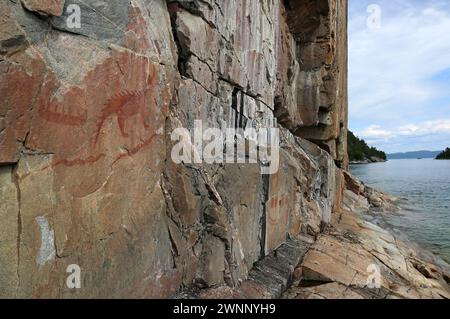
126,104
61,113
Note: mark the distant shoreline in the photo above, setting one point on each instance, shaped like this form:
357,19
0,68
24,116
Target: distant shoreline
414,155
367,161
395,159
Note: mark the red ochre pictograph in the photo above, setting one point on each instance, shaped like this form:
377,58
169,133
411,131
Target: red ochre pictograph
61,117
128,103
78,161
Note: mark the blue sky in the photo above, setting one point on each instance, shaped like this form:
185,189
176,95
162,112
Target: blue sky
399,73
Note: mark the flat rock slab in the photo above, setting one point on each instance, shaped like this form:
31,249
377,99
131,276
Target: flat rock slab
341,263
269,278
326,291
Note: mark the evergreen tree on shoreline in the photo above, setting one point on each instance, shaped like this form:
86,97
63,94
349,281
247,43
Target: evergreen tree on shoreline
358,150
445,155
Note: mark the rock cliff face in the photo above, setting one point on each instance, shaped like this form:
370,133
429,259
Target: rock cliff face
86,117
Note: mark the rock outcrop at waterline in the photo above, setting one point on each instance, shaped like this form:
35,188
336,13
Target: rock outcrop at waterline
350,254
350,259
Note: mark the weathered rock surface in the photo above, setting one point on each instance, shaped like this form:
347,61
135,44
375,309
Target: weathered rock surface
320,30
351,259
86,172
342,262
268,279
360,197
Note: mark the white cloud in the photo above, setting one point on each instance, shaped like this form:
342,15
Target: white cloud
376,132
391,69
399,74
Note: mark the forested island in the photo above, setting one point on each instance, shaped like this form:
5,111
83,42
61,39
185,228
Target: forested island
445,155
361,153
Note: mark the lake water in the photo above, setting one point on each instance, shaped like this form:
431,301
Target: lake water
424,187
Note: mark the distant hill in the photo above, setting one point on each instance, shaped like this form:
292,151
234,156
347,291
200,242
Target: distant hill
445,155
414,155
360,152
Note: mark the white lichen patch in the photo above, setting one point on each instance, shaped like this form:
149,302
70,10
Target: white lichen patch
47,251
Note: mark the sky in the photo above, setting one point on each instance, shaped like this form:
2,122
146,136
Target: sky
399,73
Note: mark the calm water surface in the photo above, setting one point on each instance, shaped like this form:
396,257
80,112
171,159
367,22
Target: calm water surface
424,186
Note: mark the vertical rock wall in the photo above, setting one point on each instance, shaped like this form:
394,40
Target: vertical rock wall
86,116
